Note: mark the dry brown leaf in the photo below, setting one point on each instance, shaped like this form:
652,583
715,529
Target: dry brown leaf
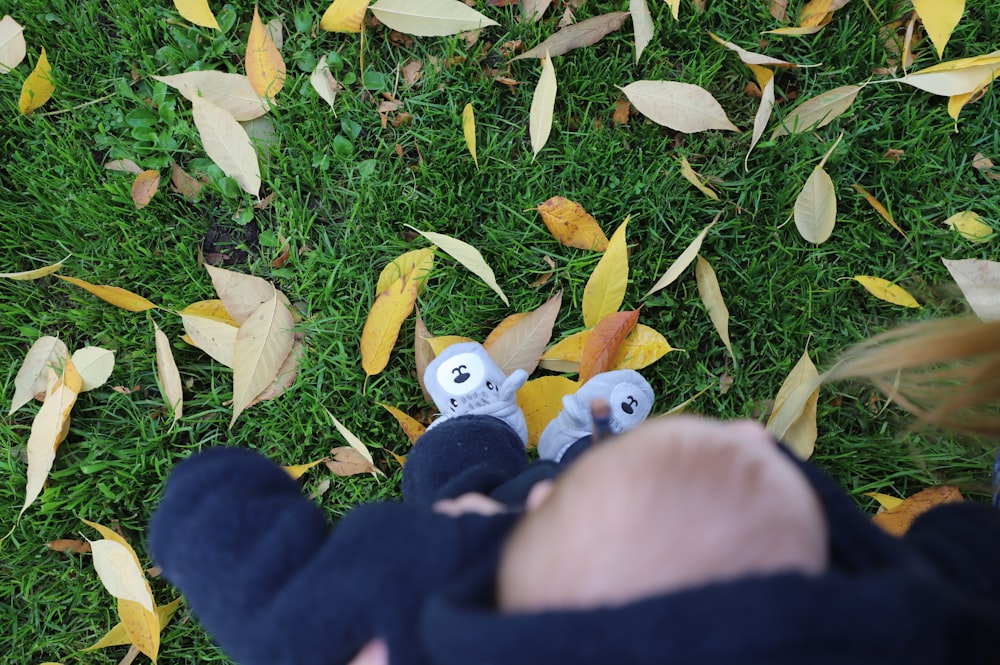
69,546
545,276
602,344
522,344
348,462
984,165
532,10
184,183
898,520
584,33
778,9
622,110
571,225
412,72
144,188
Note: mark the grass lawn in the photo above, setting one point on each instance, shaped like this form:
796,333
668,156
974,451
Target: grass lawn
345,187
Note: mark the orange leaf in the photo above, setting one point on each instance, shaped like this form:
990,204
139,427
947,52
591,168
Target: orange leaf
898,520
411,427
571,225
265,68
144,187
602,344
69,546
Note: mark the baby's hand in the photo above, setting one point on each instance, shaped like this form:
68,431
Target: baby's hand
471,502
375,652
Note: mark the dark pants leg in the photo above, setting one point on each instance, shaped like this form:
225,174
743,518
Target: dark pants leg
462,454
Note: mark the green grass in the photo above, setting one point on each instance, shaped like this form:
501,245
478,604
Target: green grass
346,209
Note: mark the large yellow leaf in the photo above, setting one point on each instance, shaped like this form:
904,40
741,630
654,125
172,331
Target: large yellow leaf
38,87
711,296
262,344
230,92
683,107
793,419
118,635
166,372
605,290
541,401
116,296
227,144
521,345
683,261
468,256
429,18
198,12
564,355
391,307
818,111
440,343
885,290
94,365
954,77
469,129
403,265
344,16
12,45
264,65
49,428
32,378
939,18
543,103
571,225
641,348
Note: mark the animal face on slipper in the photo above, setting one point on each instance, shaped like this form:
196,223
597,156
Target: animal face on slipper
463,377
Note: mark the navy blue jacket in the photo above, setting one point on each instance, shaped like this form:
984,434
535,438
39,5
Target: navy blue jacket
274,585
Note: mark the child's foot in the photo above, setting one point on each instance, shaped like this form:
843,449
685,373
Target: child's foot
464,380
628,394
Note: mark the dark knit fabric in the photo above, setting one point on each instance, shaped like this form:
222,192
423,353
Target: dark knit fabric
275,586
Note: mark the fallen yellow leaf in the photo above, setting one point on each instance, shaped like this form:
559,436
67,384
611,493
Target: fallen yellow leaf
264,65
38,87
116,296
885,290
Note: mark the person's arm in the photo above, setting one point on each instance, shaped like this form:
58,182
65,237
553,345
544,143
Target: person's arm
256,562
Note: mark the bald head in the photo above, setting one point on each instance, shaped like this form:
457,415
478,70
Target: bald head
678,502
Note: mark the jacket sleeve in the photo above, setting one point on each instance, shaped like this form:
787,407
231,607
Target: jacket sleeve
274,585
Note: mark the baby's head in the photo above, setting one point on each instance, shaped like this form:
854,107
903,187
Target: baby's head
675,503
